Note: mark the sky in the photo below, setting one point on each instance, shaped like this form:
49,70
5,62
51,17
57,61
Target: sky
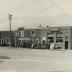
32,13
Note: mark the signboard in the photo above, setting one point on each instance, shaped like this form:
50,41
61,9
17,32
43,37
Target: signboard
24,38
54,29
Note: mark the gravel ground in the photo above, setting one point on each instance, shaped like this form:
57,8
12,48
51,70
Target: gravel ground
35,60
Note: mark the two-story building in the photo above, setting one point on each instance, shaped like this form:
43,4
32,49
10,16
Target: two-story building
27,36
61,37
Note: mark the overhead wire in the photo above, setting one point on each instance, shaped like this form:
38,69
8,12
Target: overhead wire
55,5
38,12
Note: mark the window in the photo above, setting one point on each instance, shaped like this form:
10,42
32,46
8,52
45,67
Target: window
17,34
66,38
33,33
32,40
44,43
50,39
6,40
2,41
22,33
59,33
59,39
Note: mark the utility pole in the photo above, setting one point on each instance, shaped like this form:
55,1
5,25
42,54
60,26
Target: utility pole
10,18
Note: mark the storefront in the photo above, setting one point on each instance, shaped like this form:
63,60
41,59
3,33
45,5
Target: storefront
24,42
58,37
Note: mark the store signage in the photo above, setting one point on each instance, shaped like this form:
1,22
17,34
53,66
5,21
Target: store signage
54,29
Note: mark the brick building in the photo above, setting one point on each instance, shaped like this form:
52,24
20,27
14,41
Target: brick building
27,35
6,38
61,37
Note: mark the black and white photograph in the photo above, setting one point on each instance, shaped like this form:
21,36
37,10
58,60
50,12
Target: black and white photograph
35,35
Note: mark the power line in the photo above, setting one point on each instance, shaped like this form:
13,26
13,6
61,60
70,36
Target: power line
59,8
42,10
38,12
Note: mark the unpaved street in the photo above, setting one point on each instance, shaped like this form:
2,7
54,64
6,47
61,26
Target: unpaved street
35,60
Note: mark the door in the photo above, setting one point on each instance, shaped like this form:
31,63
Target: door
66,44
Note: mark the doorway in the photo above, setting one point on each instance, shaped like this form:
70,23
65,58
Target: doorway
66,44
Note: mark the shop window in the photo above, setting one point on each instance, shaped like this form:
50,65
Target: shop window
50,39
59,39
33,33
